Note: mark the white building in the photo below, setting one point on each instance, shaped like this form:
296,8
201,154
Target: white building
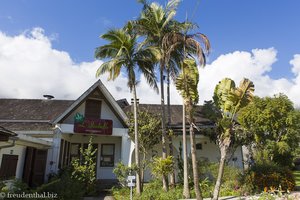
54,130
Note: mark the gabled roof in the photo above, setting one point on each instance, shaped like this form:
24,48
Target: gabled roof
176,113
30,114
32,109
176,116
110,100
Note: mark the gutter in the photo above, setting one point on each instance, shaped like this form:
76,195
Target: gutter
14,139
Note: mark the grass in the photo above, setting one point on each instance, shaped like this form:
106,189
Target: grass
297,177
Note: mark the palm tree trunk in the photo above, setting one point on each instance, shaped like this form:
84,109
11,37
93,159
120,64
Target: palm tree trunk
163,125
136,141
194,155
143,171
186,189
172,177
224,145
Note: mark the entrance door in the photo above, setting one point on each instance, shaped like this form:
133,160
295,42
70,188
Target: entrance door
34,167
8,166
39,167
27,172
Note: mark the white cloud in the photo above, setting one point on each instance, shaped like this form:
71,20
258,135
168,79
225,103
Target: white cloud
30,67
255,66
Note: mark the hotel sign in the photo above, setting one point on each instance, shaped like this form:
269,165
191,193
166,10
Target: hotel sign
93,126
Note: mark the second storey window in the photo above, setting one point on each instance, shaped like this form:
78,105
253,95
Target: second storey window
92,109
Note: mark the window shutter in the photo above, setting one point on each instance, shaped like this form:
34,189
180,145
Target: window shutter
92,109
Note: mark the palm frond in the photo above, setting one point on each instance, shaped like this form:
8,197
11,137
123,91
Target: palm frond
205,41
106,51
103,68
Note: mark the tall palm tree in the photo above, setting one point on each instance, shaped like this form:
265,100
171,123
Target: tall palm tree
228,99
155,22
190,45
124,54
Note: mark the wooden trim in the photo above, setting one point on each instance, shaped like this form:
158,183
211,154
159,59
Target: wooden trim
28,165
61,150
68,153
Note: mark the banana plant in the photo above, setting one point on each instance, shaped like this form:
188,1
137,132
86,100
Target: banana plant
186,84
229,99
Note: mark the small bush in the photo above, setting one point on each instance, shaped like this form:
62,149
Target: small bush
121,193
85,170
122,172
15,186
162,167
65,187
152,191
230,181
262,177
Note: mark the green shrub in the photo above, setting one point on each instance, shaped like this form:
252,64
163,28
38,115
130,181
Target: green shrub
122,172
85,170
162,167
262,177
230,182
15,186
152,191
65,187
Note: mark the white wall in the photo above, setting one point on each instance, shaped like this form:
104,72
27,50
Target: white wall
18,150
70,118
107,113
210,150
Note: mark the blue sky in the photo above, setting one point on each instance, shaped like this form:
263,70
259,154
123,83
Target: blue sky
235,28
231,25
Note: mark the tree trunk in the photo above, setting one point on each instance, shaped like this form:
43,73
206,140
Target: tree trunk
186,189
194,155
143,171
136,141
172,176
224,145
163,125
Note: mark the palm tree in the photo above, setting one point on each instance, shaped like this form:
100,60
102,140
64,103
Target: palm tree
154,23
190,45
228,100
124,54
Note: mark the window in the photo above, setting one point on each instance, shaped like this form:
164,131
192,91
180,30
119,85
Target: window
8,166
107,155
198,146
92,109
75,151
